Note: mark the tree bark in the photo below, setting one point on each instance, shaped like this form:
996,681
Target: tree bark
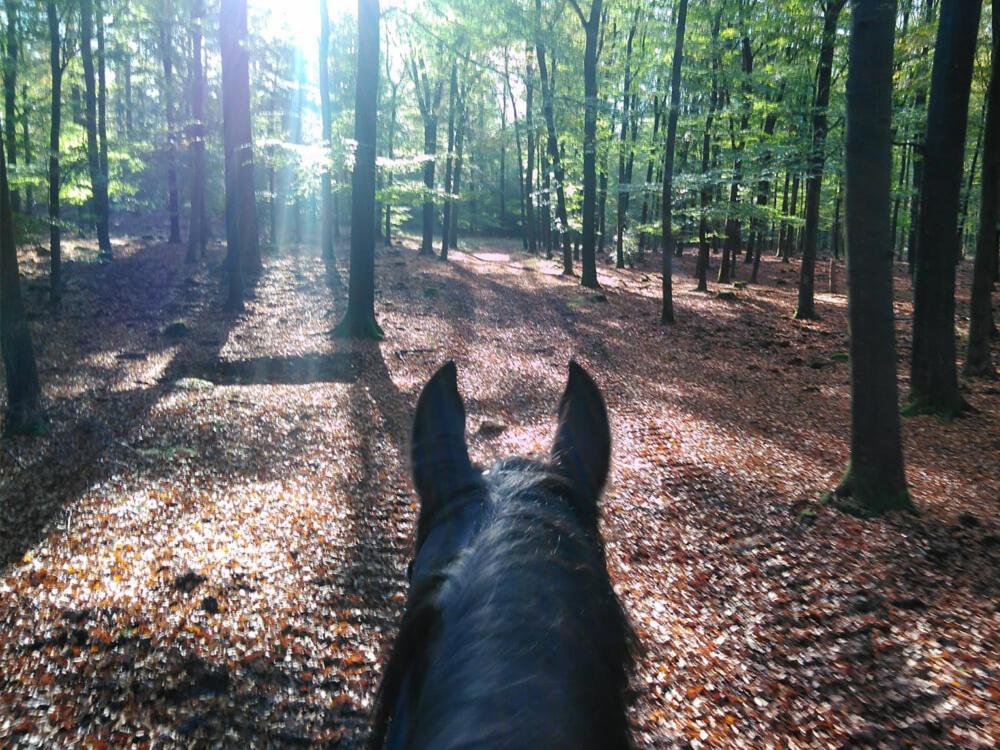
591,28
55,127
196,229
529,172
933,373
24,414
624,159
450,164
243,256
10,94
978,361
166,55
359,321
326,117
98,178
560,230
667,306
874,480
428,101
706,189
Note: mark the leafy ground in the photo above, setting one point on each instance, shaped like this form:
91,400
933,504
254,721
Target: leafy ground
209,546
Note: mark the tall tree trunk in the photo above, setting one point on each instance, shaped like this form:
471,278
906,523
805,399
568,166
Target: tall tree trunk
196,229
591,28
650,166
450,162
55,127
509,95
24,414
29,196
806,309
102,109
874,481
933,373
978,361
359,321
243,256
98,179
560,231
529,173
391,150
667,308
462,127
917,157
429,99
623,158
326,116
166,55
897,201
706,189
10,94
966,194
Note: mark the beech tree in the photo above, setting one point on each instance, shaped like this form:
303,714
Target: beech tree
933,371
24,414
978,359
667,308
359,322
243,254
874,481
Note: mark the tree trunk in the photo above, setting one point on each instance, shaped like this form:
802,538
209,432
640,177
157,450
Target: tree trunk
560,231
667,308
55,127
391,147
102,113
874,480
978,362
326,122
24,414
933,373
98,180
10,94
623,158
904,168
359,322
166,55
449,167
456,180
706,189
966,195
806,309
243,256
529,173
650,165
196,229
592,27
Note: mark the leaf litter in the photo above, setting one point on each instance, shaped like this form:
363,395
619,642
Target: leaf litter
209,546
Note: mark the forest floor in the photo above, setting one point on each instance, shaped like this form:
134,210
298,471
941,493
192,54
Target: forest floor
209,546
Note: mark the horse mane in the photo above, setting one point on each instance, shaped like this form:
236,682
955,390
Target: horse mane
528,505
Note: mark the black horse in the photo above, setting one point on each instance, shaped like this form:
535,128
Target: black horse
512,636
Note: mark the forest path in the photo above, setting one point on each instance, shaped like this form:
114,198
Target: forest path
210,545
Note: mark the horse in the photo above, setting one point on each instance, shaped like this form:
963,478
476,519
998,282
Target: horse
512,635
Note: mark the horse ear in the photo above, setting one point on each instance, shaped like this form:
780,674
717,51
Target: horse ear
440,458
582,449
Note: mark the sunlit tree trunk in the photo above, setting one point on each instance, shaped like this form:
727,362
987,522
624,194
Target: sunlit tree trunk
326,187
706,189
560,231
450,163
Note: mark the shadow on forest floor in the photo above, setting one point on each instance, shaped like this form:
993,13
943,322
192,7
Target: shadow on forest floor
215,533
